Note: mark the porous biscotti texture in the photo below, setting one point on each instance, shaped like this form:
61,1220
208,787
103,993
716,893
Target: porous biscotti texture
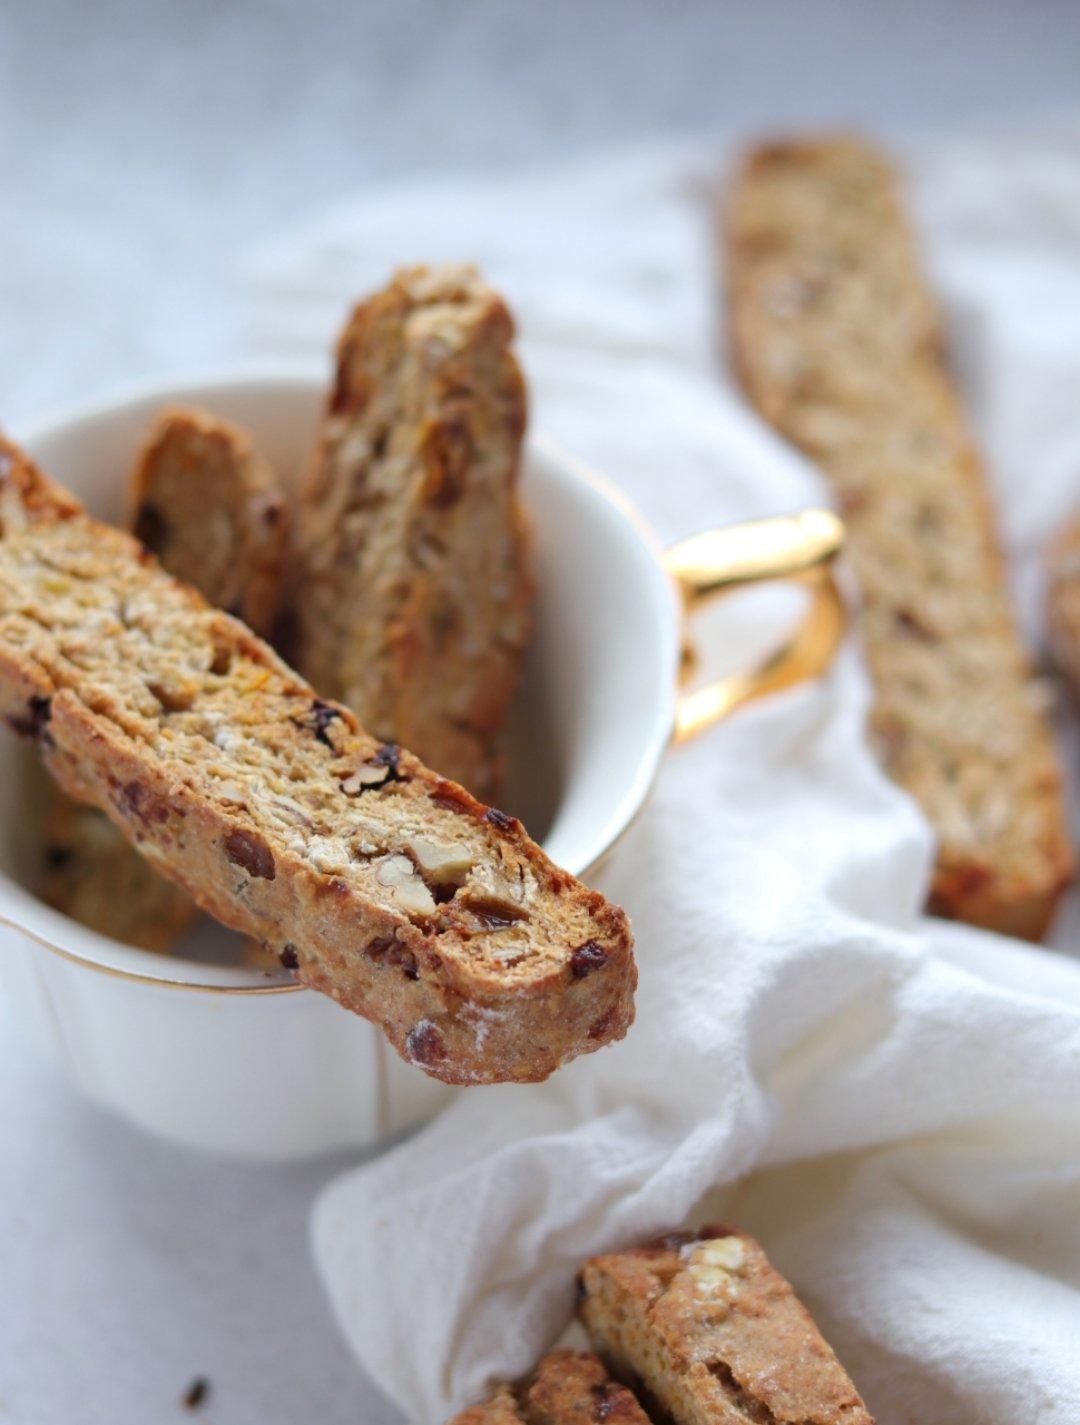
567,1388
96,877
1063,602
413,593
837,342
707,1330
211,508
384,885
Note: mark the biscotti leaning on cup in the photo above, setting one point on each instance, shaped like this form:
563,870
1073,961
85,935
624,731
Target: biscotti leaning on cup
382,884
837,342
412,592
707,1332
211,509
566,1388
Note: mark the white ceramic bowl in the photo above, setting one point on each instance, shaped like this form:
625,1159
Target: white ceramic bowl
242,1060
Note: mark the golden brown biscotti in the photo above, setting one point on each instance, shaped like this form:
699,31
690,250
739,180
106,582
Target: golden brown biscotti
1063,602
96,877
211,508
837,342
384,885
703,1326
413,592
567,1388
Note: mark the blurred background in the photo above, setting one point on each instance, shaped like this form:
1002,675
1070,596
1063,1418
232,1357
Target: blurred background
145,148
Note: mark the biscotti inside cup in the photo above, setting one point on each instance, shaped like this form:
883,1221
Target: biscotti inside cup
383,884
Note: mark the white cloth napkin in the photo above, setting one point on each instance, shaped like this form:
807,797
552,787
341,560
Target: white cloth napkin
891,1103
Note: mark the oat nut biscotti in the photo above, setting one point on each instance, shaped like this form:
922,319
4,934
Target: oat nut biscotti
384,885
211,508
212,511
837,341
413,592
713,1334
1063,602
566,1388
96,877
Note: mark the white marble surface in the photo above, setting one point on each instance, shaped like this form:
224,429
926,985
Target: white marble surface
143,151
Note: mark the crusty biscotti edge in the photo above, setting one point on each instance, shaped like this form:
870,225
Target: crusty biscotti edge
566,1387
614,1304
962,888
447,1019
266,510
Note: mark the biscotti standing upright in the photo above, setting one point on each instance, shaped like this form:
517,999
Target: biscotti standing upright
210,507
1063,602
383,884
413,594
566,1388
837,342
710,1332
212,511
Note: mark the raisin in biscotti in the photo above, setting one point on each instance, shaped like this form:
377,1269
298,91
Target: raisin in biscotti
413,594
386,886
836,340
712,1334
211,509
567,1388
1063,602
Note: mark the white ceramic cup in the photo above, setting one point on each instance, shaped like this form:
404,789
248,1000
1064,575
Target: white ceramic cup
236,1059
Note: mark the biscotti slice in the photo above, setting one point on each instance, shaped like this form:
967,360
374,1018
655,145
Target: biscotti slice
712,1334
1063,602
93,875
835,337
211,508
567,1388
384,885
413,592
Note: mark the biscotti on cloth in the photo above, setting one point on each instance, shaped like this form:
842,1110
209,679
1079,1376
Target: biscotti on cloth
713,1334
413,593
838,343
566,1388
382,884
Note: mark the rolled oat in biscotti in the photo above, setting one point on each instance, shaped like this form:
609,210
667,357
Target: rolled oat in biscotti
383,884
837,342
212,511
566,1388
713,1335
413,593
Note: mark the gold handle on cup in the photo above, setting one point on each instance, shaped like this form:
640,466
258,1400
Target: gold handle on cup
799,549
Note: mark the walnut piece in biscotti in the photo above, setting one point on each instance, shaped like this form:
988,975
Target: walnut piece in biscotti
208,505
413,594
212,511
384,885
838,343
1063,602
713,1334
566,1388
